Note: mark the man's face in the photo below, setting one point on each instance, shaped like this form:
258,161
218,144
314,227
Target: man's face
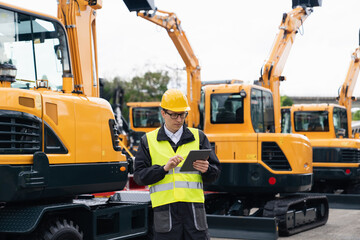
173,120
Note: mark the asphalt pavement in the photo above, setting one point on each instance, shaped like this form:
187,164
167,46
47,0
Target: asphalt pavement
342,225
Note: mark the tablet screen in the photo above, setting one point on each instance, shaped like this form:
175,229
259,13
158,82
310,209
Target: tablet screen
194,155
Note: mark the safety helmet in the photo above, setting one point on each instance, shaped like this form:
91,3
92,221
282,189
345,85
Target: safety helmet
174,100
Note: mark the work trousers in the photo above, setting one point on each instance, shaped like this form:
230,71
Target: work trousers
180,221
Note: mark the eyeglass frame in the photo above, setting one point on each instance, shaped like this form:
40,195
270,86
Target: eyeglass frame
185,114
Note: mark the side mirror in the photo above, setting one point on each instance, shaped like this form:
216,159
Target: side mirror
341,132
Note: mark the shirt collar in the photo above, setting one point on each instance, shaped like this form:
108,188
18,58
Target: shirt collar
175,137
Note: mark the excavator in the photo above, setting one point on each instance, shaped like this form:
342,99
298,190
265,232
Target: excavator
328,126
346,97
257,163
59,140
145,116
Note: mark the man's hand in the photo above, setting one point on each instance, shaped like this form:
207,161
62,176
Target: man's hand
201,165
173,162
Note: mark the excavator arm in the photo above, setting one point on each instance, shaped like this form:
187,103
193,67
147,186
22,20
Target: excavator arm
172,24
346,92
78,16
272,70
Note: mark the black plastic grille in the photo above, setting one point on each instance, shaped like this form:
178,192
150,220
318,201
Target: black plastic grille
350,155
20,133
336,155
114,134
326,154
274,157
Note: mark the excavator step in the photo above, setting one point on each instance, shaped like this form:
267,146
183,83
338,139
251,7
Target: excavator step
341,201
240,227
344,201
298,213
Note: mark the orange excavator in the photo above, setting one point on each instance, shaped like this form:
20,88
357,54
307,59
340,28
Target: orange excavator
172,24
271,72
59,140
151,110
346,97
145,116
328,126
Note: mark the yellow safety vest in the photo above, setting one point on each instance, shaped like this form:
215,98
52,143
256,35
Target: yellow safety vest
176,186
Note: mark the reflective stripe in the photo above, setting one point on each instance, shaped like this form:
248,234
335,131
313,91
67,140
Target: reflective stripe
169,186
194,185
177,170
161,187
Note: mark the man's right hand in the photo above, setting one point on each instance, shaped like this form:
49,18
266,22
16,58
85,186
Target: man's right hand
173,162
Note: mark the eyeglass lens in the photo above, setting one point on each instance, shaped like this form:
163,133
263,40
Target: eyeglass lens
176,115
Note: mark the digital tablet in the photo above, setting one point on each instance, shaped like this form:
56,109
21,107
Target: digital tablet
194,155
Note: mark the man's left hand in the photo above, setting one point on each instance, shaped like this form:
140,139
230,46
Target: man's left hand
201,165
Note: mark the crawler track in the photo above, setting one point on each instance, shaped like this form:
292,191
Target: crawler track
298,213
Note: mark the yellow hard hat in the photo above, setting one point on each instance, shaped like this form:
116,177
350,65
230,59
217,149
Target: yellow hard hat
174,100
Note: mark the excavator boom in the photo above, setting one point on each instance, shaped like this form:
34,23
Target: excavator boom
273,68
79,20
346,92
172,24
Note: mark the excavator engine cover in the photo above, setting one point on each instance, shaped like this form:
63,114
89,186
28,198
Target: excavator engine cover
306,3
138,5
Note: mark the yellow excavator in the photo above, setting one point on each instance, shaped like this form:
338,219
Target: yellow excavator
346,97
145,116
328,126
59,140
257,163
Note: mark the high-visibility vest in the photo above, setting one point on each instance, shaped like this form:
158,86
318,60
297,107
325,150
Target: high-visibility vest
176,186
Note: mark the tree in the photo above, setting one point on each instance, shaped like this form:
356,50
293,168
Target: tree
147,88
356,115
286,101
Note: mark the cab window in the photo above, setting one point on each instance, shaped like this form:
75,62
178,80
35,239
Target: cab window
286,120
36,47
147,117
311,121
340,122
227,108
262,111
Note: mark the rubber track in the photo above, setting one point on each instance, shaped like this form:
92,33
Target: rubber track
278,208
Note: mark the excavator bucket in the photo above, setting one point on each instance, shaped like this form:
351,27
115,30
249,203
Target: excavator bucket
306,3
138,5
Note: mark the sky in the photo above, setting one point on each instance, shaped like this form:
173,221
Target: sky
231,38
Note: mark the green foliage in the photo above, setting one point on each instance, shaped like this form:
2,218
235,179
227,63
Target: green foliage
356,115
147,88
286,101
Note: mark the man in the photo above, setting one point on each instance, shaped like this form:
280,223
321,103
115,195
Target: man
177,197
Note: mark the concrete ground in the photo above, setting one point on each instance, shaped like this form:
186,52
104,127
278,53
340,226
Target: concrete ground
342,225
